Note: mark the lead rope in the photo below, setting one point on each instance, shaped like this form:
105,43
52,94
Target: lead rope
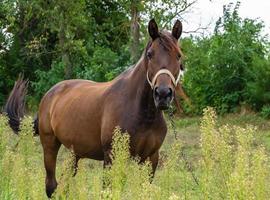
183,155
172,122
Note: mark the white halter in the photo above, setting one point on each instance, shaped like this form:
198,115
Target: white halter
164,71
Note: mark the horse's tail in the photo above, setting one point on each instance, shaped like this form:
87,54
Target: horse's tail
36,125
15,106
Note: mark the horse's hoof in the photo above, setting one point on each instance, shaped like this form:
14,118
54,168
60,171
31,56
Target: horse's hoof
50,190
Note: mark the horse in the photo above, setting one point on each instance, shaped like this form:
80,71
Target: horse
82,114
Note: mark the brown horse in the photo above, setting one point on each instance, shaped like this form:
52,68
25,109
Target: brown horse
82,114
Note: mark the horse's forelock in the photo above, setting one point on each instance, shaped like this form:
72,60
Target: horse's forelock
167,41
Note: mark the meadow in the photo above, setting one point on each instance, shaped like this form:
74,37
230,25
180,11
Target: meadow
208,156
213,157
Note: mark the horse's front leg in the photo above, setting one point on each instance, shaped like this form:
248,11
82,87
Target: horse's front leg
154,162
107,149
107,157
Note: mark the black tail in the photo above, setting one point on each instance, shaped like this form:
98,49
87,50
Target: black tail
36,125
15,106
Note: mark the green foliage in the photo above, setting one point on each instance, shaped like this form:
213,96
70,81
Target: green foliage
102,67
91,39
222,68
35,35
258,84
47,79
265,112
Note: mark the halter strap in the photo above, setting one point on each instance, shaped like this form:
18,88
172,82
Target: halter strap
163,71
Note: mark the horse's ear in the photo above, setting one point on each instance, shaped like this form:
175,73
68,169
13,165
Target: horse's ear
177,29
153,29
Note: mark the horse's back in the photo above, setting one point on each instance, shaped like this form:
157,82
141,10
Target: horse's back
68,90
68,85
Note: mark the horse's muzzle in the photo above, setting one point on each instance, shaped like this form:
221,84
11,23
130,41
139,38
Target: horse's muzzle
162,97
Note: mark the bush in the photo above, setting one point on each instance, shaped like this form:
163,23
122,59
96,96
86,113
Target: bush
257,91
223,69
46,79
102,67
265,112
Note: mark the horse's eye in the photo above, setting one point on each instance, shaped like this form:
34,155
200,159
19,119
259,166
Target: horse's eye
149,55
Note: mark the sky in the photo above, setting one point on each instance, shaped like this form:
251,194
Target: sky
205,13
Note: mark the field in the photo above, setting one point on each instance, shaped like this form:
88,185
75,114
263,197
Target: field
212,158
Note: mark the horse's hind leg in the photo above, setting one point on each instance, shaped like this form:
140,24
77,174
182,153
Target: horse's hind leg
51,146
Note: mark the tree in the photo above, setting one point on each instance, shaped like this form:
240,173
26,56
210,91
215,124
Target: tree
135,30
220,67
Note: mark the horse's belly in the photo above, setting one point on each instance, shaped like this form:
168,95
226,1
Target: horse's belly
85,144
80,132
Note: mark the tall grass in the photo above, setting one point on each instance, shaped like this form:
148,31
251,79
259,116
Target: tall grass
231,166
21,166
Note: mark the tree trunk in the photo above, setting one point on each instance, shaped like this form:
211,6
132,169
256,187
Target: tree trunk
135,31
64,50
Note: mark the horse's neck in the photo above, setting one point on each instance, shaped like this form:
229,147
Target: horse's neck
142,94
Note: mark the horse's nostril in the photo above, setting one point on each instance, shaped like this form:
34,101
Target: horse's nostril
170,93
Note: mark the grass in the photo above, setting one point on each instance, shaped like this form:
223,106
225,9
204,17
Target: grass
188,129
213,158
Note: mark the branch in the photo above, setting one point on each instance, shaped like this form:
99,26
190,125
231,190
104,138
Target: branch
199,30
178,12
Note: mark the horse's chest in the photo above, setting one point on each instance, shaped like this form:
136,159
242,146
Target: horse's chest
144,144
146,134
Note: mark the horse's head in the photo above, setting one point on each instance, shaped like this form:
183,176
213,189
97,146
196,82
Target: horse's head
163,60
